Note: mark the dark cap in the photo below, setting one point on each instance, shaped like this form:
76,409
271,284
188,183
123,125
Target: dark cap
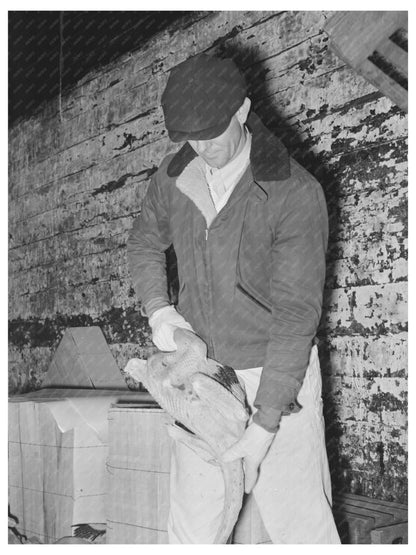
201,96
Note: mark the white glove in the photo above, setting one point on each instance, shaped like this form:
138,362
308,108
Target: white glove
163,323
252,447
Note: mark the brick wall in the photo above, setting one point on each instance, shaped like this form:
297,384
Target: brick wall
78,175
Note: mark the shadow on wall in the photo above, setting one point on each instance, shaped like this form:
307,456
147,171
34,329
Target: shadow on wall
301,151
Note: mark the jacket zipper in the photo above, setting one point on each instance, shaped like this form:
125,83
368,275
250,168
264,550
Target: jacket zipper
208,274
253,298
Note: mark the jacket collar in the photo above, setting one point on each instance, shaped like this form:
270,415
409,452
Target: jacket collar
268,157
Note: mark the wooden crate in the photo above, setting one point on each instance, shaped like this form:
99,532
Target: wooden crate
57,455
357,517
138,470
393,533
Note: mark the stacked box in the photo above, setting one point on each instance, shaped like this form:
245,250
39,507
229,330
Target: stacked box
58,444
138,475
58,438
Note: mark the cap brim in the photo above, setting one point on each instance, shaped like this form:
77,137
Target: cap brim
201,135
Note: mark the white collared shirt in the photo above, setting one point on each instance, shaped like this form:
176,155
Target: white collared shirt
221,181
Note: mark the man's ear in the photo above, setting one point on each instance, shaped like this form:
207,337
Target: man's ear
242,112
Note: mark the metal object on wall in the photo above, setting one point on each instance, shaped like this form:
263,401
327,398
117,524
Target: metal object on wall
375,45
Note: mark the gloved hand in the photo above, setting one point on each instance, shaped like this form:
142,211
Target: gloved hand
163,323
253,447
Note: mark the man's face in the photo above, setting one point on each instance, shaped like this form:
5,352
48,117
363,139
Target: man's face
219,151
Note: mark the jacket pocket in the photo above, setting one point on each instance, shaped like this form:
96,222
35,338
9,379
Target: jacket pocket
259,300
254,251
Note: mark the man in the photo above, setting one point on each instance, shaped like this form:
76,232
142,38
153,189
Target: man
249,228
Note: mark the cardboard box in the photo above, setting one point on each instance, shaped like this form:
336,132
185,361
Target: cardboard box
138,473
83,359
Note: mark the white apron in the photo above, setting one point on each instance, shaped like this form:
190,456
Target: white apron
293,492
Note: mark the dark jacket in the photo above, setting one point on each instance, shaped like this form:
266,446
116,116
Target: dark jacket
251,278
